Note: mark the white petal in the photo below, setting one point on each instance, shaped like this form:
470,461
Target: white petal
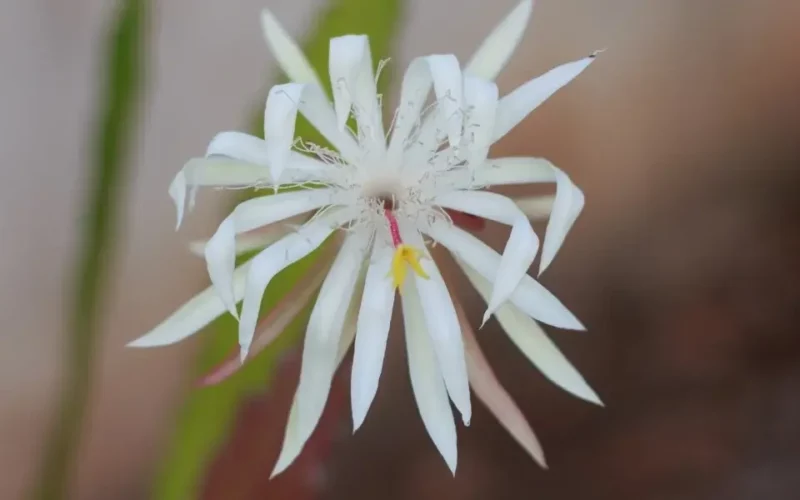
254,150
198,312
276,321
514,170
441,322
256,239
566,208
293,442
220,251
514,107
480,99
534,344
536,207
353,84
283,104
521,246
218,172
426,379
286,51
568,203
177,191
480,104
529,296
272,260
324,331
496,49
280,116
489,390
374,318
444,72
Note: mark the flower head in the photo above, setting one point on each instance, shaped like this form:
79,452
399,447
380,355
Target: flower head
378,202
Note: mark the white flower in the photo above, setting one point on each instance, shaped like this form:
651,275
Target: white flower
388,197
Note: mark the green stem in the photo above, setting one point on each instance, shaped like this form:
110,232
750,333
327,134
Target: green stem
124,68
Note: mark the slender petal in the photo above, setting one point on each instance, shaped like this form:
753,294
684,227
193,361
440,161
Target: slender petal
566,209
489,390
353,84
521,246
529,296
324,329
275,322
514,170
480,104
198,312
441,322
514,107
444,73
374,318
534,343
568,203
212,172
283,104
426,379
496,49
272,260
536,207
293,442
280,117
480,99
220,251
226,172
256,239
254,150
286,51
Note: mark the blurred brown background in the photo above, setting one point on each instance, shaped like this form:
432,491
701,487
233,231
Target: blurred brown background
684,265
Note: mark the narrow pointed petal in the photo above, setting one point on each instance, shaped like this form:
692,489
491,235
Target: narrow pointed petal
534,343
569,200
353,84
489,390
257,239
442,325
278,319
272,260
220,251
444,73
198,312
255,150
232,173
280,117
286,51
480,100
514,107
522,244
426,379
566,209
536,207
514,170
496,49
283,104
529,296
374,318
177,191
293,442
324,329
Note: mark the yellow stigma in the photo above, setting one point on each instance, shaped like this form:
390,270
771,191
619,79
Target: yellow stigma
406,255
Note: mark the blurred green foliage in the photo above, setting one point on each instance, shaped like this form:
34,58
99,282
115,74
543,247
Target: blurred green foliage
123,78
208,414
